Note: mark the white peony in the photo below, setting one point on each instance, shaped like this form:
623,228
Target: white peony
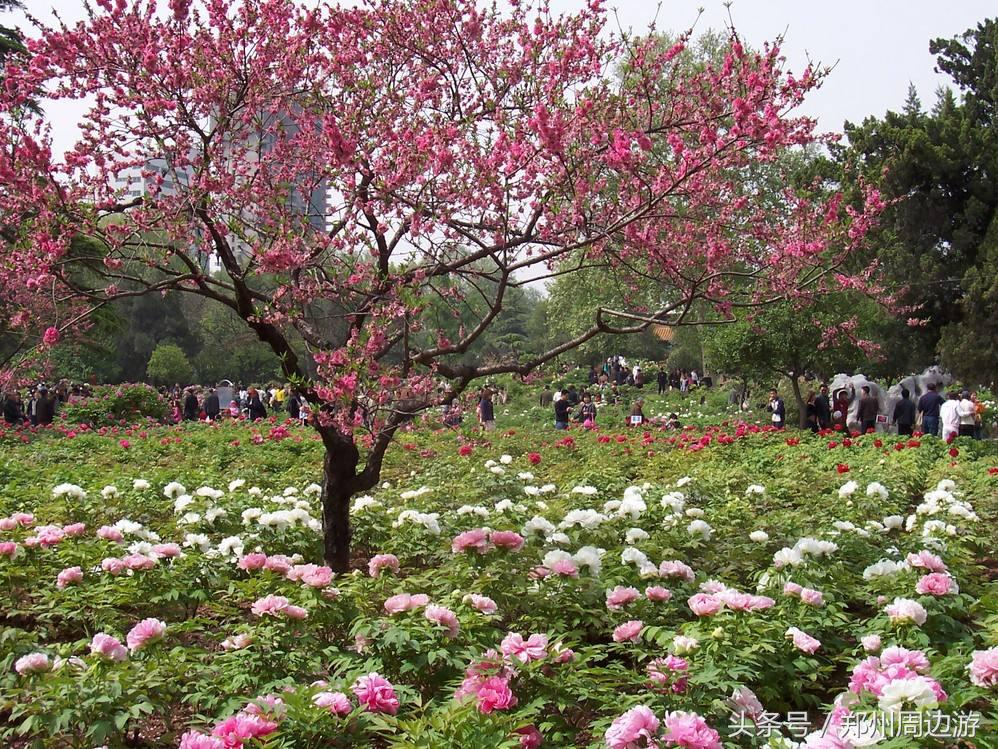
759,536
173,490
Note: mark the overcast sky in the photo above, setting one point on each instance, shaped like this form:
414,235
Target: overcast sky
877,46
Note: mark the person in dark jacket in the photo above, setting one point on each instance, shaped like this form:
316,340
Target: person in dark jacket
294,405
191,408
811,406
45,406
823,407
904,413
561,409
928,406
777,408
12,409
255,406
211,405
869,409
662,379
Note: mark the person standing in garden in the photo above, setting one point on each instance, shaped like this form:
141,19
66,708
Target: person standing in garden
587,411
190,406
869,409
662,379
486,411
44,406
812,411
823,407
637,415
949,417
929,406
904,413
968,415
777,408
255,406
12,408
211,405
561,409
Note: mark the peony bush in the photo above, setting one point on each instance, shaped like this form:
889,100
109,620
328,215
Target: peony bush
596,589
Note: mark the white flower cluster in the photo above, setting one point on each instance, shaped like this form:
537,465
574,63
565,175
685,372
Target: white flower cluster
413,493
805,547
430,521
937,508
588,519
69,490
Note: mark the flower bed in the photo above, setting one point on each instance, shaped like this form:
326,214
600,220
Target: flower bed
606,590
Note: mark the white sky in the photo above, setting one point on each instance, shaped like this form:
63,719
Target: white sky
877,46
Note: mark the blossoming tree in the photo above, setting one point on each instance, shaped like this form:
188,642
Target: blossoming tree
326,173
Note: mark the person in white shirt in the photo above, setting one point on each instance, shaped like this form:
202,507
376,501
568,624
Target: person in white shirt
968,413
949,417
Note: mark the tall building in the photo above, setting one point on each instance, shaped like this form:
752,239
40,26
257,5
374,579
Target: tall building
140,181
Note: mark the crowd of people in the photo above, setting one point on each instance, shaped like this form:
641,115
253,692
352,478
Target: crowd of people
224,401
38,405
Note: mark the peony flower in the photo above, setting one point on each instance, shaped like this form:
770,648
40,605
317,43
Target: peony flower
444,617
32,663
68,576
620,596
628,631
533,648
811,597
108,647
638,724
195,740
335,702
269,605
254,561
484,604
657,593
690,731
683,645
675,568
744,702
296,612
145,632
376,694
704,604
926,560
473,540
494,694
140,485
759,536
237,642
905,610
510,540
803,641
238,728
936,584
112,566
917,691
983,668
530,737
381,562
871,643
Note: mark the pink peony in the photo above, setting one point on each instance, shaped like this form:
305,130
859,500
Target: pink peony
444,617
984,668
898,656
936,584
254,561
704,604
637,724
195,740
926,560
803,641
905,610
405,602
112,566
295,612
675,568
24,519
620,596
690,731
69,576
812,597
628,631
871,643
792,589
476,539
110,533
145,632
139,562
530,737
269,605
669,672
510,540
758,603
166,551
108,647
565,568
657,593
533,648
278,563
8,549
7,524
75,529
237,642
376,694
32,663
744,702
381,562
494,694
335,702
484,604
238,728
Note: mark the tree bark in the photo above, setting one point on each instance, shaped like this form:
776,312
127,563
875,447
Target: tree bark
801,405
339,472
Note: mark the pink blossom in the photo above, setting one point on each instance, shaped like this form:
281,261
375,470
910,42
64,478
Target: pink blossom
638,724
269,605
8,548
146,631
926,560
253,561
381,562
657,593
803,641
494,694
241,727
7,524
335,702
904,610
675,569
69,576
315,576
984,668
510,540
24,519
871,643
278,563
295,612
405,602
811,597
75,529
108,647
195,740
533,648
237,642
898,656
620,596
476,539
112,566
166,551
758,603
139,562
110,533
484,604
530,737
565,568
444,617
669,672
792,589
935,584
51,336
744,702
628,631
704,604
690,731
32,663
376,694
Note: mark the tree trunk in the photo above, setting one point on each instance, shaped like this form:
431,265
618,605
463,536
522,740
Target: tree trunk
339,472
801,405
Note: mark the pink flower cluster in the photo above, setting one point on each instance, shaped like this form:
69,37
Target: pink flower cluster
803,641
984,668
669,673
709,604
381,562
484,604
481,540
405,602
32,663
376,694
145,632
69,576
271,605
16,519
311,575
926,560
231,733
444,617
108,647
806,595
639,727
534,648
895,663
675,568
620,596
115,566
